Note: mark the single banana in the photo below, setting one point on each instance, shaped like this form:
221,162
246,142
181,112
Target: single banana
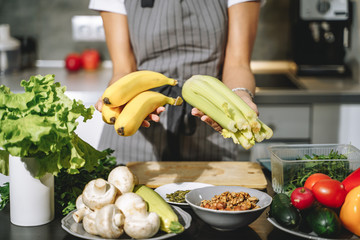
127,87
138,108
110,114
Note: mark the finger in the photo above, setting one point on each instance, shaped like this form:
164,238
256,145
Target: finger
159,110
145,123
196,112
153,117
98,105
211,123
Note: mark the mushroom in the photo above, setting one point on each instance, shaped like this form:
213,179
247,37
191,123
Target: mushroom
109,222
82,210
139,223
140,226
98,193
123,179
131,204
89,223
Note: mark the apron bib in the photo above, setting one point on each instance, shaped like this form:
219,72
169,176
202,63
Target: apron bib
178,38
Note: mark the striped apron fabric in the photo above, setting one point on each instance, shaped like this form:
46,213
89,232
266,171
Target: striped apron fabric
178,38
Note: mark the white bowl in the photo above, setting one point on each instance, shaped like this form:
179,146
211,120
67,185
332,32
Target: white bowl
226,220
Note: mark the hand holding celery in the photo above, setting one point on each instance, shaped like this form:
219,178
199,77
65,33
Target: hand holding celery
216,100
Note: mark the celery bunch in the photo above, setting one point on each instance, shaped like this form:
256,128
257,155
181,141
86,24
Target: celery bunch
238,120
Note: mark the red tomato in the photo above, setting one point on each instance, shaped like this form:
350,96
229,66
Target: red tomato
90,59
302,198
313,178
329,192
73,62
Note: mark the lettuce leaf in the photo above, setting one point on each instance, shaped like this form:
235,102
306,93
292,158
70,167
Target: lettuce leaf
40,123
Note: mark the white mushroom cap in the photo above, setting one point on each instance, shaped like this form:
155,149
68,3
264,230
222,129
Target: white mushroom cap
123,179
110,222
142,226
82,210
131,204
89,223
98,193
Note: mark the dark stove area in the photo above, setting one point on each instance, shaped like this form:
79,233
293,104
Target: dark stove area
276,81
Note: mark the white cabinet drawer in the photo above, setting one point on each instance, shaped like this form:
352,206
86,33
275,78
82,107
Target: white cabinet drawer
287,121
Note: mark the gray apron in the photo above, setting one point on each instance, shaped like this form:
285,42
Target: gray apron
178,38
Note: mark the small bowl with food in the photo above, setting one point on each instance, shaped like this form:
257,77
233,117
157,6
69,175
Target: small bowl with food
228,208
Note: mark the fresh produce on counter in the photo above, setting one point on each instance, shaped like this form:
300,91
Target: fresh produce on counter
302,198
324,207
297,175
4,195
43,119
90,59
69,186
324,221
128,101
352,181
350,211
313,178
284,212
216,100
329,192
169,220
73,62
109,208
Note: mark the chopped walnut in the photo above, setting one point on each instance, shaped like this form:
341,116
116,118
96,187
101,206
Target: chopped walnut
231,201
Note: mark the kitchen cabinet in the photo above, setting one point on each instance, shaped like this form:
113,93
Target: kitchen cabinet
349,127
289,122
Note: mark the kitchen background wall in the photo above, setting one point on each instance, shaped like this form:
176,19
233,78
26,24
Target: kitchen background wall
49,22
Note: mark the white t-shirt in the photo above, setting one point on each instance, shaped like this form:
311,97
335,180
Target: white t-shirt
118,6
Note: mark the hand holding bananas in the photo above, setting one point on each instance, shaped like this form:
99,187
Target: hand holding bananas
128,101
238,120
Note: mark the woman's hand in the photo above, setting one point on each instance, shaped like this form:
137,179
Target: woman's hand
196,112
154,116
244,96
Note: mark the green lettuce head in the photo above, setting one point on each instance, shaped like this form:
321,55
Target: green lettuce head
40,123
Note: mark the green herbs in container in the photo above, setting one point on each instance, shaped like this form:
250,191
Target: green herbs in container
292,164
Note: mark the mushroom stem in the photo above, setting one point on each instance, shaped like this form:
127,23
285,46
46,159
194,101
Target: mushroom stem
118,219
100,186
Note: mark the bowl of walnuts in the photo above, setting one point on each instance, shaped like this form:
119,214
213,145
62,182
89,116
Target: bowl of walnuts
227,208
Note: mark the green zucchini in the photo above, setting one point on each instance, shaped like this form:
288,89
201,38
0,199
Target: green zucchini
284,212
324,222
169,221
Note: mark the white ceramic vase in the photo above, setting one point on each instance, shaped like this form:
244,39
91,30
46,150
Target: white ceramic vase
31,199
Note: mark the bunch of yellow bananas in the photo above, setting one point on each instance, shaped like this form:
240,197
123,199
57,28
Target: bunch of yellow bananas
129,100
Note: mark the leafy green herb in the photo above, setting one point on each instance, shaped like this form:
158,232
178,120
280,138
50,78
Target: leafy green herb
298,173
40,123
5,195
69,187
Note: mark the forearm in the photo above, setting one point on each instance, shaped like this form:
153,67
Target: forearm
118,43
243,20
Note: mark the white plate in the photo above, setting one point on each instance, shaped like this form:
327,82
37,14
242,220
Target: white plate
310,235
77,230
173,187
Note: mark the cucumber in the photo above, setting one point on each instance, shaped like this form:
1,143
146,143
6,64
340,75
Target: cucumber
324,221
169,221
284,212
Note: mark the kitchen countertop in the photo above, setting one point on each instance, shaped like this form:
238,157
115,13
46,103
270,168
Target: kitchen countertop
88,86
261,229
